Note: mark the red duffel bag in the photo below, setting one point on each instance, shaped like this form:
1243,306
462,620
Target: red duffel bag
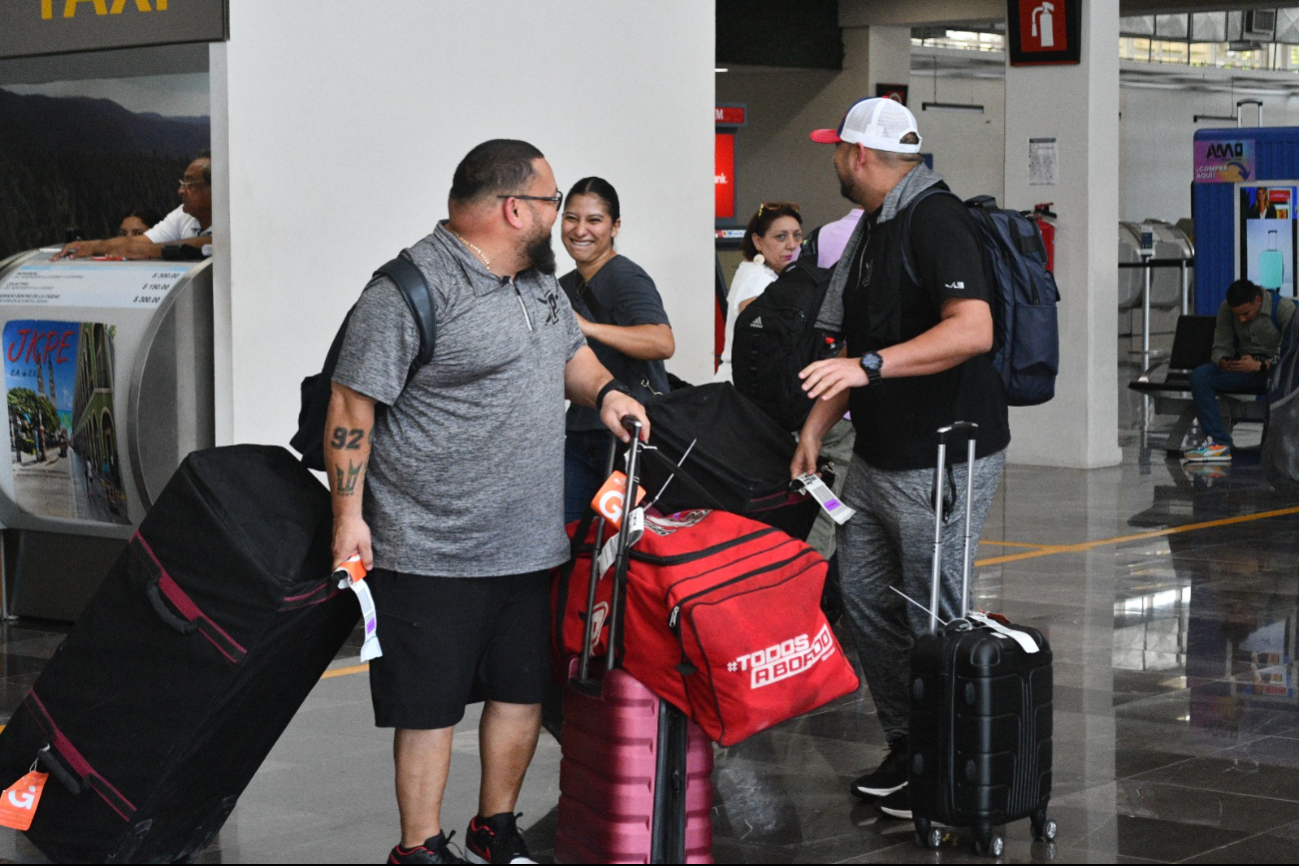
723,620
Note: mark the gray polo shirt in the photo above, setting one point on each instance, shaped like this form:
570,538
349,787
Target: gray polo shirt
466,470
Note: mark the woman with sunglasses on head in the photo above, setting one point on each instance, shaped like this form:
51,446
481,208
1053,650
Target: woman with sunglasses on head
622,317
771,241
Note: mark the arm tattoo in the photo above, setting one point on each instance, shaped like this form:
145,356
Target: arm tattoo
345,480
344,439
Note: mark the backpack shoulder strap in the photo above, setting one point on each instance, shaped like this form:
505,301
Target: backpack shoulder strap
587,295
908,268
812,243
1275,298
418,296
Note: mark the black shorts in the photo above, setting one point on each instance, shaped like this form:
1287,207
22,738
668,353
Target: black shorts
452,641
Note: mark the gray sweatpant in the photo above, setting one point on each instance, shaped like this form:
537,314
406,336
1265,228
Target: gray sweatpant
889,542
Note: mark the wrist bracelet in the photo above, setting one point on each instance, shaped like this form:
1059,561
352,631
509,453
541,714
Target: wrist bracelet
611,385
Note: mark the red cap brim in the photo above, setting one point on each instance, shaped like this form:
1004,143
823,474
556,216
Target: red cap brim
825,136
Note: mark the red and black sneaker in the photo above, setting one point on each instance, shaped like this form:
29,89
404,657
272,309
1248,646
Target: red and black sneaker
434,850
496,840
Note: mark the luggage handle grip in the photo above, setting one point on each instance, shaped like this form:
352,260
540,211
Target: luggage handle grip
45,757
957,431
180,624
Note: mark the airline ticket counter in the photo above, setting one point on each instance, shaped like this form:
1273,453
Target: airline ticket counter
108,380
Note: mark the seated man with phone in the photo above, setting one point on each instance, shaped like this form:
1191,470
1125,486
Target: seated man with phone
1246,342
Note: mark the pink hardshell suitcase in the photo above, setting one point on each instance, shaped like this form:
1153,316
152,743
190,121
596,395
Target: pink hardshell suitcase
635,779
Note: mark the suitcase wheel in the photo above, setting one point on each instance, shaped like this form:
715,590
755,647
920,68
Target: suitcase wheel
1043,828
929,836
989,843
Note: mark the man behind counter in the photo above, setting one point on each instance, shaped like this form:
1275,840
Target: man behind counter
189,225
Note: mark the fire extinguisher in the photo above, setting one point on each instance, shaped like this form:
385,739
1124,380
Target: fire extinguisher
1043,216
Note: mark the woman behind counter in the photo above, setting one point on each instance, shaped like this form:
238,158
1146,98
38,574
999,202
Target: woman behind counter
771,241
621,314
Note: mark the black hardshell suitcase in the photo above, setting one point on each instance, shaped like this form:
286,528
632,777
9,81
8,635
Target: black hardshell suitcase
981,713
187,665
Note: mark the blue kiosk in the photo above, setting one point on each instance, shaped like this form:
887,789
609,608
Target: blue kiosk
1245,204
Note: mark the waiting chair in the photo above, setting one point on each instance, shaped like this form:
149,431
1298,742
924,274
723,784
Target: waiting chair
1193,346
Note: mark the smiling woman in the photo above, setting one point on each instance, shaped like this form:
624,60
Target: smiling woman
621,314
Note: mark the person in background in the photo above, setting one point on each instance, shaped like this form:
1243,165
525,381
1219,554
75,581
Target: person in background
828,241
622,317
1246,342
137,222
771,241
190,224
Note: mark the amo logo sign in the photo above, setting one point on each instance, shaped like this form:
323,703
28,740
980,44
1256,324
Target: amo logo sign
1227,161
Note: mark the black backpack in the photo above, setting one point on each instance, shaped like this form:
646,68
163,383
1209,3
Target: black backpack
309,441
776,337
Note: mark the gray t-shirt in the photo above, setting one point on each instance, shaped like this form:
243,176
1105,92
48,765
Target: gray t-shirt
467,463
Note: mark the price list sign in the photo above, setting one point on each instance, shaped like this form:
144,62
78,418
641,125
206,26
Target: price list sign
68,284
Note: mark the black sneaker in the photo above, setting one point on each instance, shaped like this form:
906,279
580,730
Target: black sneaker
496,840
891,775
434,850
896,805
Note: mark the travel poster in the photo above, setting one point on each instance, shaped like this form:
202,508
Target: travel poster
1268,235
63,432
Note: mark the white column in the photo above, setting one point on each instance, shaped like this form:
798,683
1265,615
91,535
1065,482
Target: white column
1078,106
888,57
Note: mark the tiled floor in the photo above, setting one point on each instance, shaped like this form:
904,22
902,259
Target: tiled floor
1176,733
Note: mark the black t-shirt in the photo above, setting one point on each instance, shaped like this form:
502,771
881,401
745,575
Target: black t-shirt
897,419
630,298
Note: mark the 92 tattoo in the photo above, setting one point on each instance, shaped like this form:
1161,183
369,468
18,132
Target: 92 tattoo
343,439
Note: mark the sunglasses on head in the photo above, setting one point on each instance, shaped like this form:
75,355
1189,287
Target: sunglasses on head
776,205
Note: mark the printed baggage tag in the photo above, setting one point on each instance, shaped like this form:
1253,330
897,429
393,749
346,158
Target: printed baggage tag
351,575
18,802
635,526
1019,637
608,554
838,512
608,502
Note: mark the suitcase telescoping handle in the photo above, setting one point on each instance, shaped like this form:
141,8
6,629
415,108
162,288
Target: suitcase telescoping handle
633,426
946,435
584,668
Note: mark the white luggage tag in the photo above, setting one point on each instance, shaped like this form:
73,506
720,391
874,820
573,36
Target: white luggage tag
351,575
1019,637
833,506
609,552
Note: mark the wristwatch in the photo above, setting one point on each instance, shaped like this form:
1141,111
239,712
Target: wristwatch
873,364
611,385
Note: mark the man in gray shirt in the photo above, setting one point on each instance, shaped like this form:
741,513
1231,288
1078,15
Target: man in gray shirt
453,492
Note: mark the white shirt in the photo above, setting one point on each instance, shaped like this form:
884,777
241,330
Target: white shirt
751,279
175,226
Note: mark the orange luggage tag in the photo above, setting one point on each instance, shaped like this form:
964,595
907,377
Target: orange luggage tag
608,502
18,801
351,575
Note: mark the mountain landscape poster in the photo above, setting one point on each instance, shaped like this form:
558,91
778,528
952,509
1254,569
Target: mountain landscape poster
78,156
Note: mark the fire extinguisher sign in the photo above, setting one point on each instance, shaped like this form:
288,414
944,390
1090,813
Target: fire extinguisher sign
1044,32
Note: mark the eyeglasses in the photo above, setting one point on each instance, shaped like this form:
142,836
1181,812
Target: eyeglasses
188,183
557,199
777,205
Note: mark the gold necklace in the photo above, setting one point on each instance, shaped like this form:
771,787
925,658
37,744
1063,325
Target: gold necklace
479,252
